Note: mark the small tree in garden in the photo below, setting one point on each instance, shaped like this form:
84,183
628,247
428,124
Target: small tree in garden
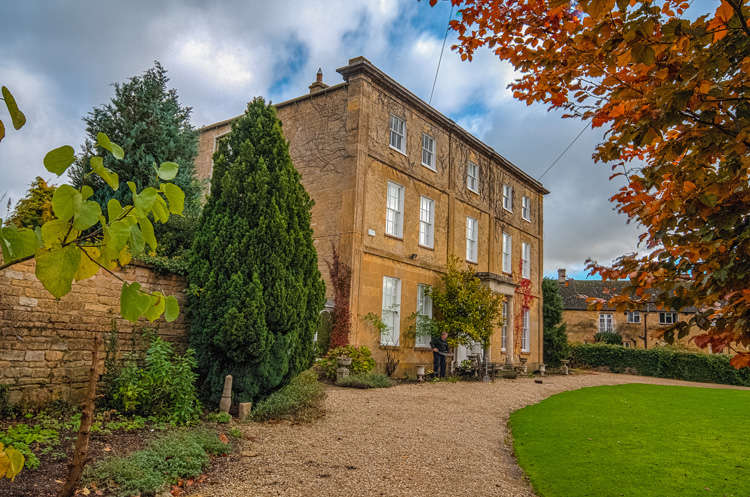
466,309
35,208
255,290
341,280
555,338
392,344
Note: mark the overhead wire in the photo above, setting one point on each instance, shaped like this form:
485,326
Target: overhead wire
441,56
563,152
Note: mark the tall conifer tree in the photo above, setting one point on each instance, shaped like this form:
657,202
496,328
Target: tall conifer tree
146,119
256,291
555,337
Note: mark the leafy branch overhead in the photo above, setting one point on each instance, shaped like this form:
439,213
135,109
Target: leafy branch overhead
672,87
83,237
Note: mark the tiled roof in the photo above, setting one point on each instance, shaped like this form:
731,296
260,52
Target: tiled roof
575,293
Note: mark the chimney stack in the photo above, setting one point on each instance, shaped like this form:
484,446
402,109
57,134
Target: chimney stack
561,276
318,84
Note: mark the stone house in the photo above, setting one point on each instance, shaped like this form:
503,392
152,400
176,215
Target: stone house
398,188
636,327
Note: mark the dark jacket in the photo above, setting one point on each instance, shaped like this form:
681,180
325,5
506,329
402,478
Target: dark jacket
440,344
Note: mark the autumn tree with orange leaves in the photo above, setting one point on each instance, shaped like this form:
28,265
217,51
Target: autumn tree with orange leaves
672,89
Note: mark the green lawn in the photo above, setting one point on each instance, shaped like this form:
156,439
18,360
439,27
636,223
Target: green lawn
636,440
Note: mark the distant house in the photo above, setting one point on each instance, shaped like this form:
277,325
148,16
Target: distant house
636,327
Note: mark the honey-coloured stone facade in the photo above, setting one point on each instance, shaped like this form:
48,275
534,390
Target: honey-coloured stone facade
339,142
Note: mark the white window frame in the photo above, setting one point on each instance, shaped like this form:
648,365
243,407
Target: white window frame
391,311
428,151
634,317
472,239
605,323
526,333
526,260
526,208
426,222
504,333
394,210
508,198
424,308
668,317
507,253
472,177
397,138
626,344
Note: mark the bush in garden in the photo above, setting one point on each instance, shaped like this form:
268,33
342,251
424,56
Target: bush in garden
608,337
164,387
300,400
661,362
369,380
362,362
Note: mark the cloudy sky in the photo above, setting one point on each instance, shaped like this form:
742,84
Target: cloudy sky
60,58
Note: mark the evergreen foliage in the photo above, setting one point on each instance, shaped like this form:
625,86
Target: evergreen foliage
555,338
255,288
35,208
146,120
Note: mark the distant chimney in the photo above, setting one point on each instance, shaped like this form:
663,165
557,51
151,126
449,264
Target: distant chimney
561,276
318,84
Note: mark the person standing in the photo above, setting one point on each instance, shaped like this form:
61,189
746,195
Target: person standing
439,351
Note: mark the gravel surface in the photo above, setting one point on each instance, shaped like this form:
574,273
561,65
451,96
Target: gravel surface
436,439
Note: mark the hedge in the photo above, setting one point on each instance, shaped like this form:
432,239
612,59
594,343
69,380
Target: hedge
660,362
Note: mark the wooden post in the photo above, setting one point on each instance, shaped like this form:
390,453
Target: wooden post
80,454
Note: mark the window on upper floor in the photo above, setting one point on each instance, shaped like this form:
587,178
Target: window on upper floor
507,240
667,317
634,317
426,222
504,337
428,151
526,208
394,211
391,314
526,334
424,314
472,177
398,134
605,323
526,260
508,198
472,237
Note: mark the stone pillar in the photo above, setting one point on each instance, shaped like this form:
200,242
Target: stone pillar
226,395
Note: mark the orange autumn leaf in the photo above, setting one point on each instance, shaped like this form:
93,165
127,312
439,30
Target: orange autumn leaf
223,438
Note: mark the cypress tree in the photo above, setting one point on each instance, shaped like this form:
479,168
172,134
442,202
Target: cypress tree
145,118
255,288
555,337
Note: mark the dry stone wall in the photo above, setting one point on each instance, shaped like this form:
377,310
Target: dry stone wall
46,343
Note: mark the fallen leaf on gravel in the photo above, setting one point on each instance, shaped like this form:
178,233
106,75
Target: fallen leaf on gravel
59,481
249,453
106,449
85,491
223,438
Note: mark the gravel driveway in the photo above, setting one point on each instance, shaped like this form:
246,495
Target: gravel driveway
431,439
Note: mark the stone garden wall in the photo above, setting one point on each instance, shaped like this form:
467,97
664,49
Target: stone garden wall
45,343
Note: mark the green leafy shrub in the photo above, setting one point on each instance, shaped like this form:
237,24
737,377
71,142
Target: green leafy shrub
21,436
175,455
164,387
362,362
661,362
220,417
368,380
7,409
608,337
300,400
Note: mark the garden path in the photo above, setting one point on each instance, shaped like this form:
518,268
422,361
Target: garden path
437,439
